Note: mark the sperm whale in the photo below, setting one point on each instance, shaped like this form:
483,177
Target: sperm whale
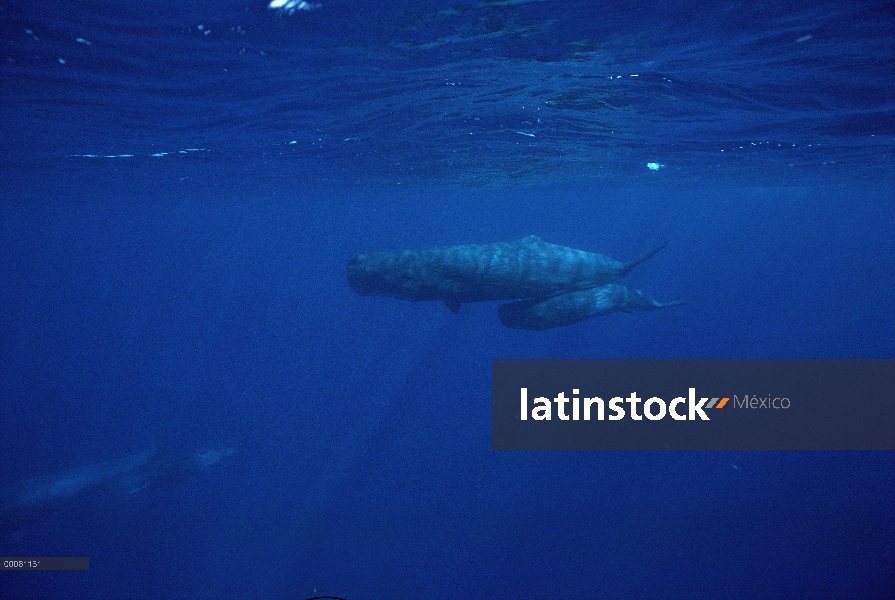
526,268
574,307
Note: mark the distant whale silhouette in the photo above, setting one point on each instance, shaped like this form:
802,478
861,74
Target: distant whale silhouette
574,307
31,500
526,268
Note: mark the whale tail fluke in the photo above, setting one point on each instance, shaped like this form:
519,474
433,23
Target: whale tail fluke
667,304
644,257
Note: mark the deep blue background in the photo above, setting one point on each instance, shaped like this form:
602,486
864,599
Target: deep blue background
199,300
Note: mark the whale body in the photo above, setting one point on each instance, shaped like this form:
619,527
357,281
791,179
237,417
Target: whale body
574,307
526,268
39,497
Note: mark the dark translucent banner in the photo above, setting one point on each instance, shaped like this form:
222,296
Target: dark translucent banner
693,405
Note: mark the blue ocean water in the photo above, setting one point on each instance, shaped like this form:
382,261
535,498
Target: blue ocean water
182,184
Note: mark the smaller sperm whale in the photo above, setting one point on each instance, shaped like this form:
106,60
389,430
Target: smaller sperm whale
574,307
526,268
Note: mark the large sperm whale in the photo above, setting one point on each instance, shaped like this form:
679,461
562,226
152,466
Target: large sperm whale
574,307
526,268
